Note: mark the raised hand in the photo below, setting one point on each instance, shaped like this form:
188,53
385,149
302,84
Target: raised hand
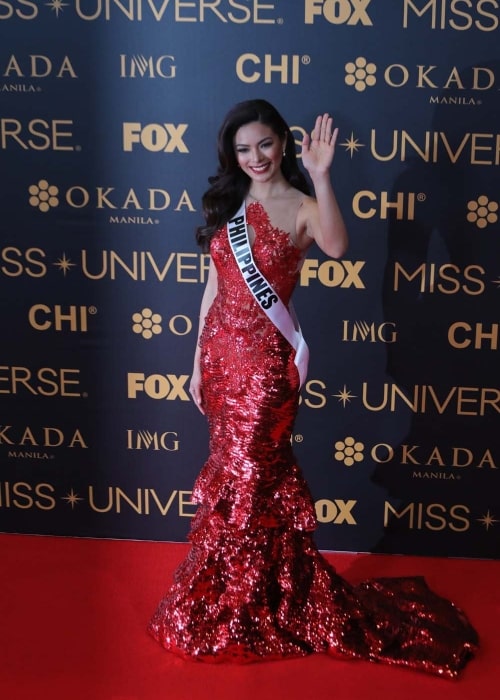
318,149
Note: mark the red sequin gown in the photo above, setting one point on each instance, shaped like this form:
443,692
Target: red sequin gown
254,586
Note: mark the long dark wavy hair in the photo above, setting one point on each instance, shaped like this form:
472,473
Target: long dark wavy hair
230,185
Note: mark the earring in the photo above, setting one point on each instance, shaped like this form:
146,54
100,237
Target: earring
284,153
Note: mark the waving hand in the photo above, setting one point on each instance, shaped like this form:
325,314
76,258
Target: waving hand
319,148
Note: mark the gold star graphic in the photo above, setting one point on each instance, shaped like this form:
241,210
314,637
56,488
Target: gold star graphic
352,145
64,264
72,499
345,396
57,6
488,520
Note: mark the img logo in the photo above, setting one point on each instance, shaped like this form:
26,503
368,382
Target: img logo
155,441
338,11
140,66
369,331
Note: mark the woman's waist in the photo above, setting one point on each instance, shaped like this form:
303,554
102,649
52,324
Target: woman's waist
237,317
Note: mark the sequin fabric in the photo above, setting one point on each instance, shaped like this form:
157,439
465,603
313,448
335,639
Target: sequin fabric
254,587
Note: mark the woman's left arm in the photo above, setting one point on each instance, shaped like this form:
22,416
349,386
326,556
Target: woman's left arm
323,218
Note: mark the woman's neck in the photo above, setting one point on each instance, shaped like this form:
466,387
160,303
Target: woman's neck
265,191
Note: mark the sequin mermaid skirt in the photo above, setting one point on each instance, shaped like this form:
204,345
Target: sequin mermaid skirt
254,586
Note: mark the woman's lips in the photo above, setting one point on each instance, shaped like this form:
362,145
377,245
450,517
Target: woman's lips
260,168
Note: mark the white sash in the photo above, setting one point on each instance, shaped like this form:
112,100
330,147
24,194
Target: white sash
270,303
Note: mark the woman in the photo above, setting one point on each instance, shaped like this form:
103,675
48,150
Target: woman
254,586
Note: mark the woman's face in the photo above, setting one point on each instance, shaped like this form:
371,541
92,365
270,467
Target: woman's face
259,151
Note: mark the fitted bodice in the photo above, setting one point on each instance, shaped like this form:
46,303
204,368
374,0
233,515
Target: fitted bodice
275,255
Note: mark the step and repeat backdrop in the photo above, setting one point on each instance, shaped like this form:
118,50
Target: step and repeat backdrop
109,111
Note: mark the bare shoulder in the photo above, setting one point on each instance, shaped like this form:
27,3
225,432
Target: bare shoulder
295,195
308,205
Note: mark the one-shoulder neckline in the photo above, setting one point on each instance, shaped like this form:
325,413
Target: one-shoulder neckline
278,229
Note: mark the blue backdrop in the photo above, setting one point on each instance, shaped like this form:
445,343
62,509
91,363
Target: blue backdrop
109,111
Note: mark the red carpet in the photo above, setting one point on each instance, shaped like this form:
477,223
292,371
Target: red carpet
73,615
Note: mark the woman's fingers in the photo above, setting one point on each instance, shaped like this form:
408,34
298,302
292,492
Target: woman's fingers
195,393
323,128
